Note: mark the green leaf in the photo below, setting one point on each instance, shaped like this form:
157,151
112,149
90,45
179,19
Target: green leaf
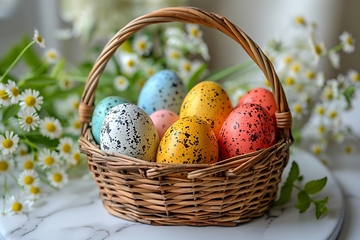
38,82
58,68
285,194
320,208
315,186
10,111
229,71
294,173
195,77
349,94
304,201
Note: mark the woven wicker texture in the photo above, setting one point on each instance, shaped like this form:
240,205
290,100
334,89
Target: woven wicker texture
227,193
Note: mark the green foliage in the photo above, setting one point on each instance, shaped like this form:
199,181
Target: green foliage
304,199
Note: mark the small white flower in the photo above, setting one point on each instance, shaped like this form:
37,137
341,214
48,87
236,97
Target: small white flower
142,45
65,146
9,142
194,32
348,42
31,99
65,83
28,119
74,125
320,109
38,39
22,150
322,129
318,49
300,21
6,164
332,114
121,83
51,127
4,96
33,193
298,109
12,91
354,76
349,148
28,178
48,159
173,56
318,148
18,205
51,55
58,177
129,63
75,158
173,32
26,162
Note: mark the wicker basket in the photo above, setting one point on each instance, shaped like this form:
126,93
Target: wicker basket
227,193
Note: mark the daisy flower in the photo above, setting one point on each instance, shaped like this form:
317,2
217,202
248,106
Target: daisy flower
9,142
121,83
298,109
320,109
5,165
348,42
317,148
65,146
349,148
57,177
30,99
28,119
38,39
47,159
173,56
65,83
318,49
193,31
354,76
74,125
300,21
129,63
18,205
26,162
142,45
4,96
33,193
51,55
51,127
21,150
12,91
75,158
28,178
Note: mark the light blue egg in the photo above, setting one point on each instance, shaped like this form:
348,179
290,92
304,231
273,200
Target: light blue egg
100,111
163,90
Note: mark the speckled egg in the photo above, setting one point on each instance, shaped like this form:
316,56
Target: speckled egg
260,96
128,130
163,90
100,111
188,141
209,102
248,128
163,119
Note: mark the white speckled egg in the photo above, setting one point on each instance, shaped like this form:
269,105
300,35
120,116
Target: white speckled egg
100,111
128,130
163,90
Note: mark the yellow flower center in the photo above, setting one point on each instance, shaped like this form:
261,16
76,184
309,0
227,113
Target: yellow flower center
287,60
4,166
28,180
298,108
320,110
49,160
28,165
321,129
295,68
289,81
332,114
121,81
300,20
66,148
77,125
356,77
28,120
317,150
30,101
7,143
329,94
310,75
141,45
77,157
349,40
50,127
16,207
194,32
57,177
131,63
51,55
4,95
317,49
348,149
34,190
175,55
15,91
22,152
187,67
75,104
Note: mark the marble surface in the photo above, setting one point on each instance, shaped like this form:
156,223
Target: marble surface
77,213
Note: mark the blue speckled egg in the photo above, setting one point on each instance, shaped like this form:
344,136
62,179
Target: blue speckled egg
163,90
128,130
100,111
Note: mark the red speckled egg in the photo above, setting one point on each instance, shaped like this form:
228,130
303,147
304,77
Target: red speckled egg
260,96
248,128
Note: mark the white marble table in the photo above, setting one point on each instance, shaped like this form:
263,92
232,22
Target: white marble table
77,213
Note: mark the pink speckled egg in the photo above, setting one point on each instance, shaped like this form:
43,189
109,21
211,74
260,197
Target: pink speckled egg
248,128
163,119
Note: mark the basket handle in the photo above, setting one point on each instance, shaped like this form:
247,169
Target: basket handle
196,16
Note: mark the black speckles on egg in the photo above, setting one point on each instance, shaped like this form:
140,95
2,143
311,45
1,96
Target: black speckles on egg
188,140
250,127
163,90
128,130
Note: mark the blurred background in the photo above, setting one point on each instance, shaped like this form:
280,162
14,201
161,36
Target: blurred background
260,19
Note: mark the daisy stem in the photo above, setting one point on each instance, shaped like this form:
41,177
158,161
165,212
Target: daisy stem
16,60
229,71
337,48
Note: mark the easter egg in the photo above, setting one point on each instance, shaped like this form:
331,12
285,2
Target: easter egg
163,119
260,96
188,141
163,90
248,128
100,111
209,102
128,130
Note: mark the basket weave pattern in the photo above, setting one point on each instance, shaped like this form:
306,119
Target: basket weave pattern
226,193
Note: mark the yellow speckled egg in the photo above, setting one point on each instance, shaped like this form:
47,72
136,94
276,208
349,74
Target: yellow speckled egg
189,140
209,102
